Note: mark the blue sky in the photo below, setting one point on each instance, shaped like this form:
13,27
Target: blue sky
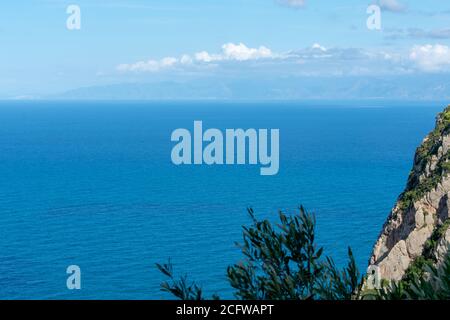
139,41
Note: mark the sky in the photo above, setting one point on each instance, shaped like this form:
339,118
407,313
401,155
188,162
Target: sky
220,42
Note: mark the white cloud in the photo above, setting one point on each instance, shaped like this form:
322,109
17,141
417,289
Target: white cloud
241,52
237,52
155,65
317,46
292,3
230,52
186,59
204,56
168,62
391,5
431,58
149,66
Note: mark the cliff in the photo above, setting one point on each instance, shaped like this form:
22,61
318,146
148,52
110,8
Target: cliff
417,231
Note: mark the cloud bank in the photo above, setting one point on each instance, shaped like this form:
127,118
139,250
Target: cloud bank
230,52
316,60
237,52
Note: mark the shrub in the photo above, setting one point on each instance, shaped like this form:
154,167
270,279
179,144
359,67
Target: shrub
281,262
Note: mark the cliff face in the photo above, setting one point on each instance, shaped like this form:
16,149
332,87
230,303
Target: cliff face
418,227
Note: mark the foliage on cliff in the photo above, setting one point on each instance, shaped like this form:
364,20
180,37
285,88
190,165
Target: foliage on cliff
418,184
432,283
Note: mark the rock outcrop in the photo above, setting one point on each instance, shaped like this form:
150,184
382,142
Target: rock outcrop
418,226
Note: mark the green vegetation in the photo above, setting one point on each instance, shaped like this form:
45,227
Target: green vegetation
422,265
415,188
422,280
416,270
436,236
181,288
431,145
432,284
280,262
427,184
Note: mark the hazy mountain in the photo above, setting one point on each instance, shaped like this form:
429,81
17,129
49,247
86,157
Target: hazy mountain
431,87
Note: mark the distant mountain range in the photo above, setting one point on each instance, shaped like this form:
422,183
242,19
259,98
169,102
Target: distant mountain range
430,87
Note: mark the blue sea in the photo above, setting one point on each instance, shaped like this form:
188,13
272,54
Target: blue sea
92,184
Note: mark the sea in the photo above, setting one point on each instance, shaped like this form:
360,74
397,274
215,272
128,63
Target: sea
92,184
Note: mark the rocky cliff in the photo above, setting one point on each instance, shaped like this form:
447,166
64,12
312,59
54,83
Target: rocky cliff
417,231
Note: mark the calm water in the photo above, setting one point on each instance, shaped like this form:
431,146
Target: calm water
92,184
